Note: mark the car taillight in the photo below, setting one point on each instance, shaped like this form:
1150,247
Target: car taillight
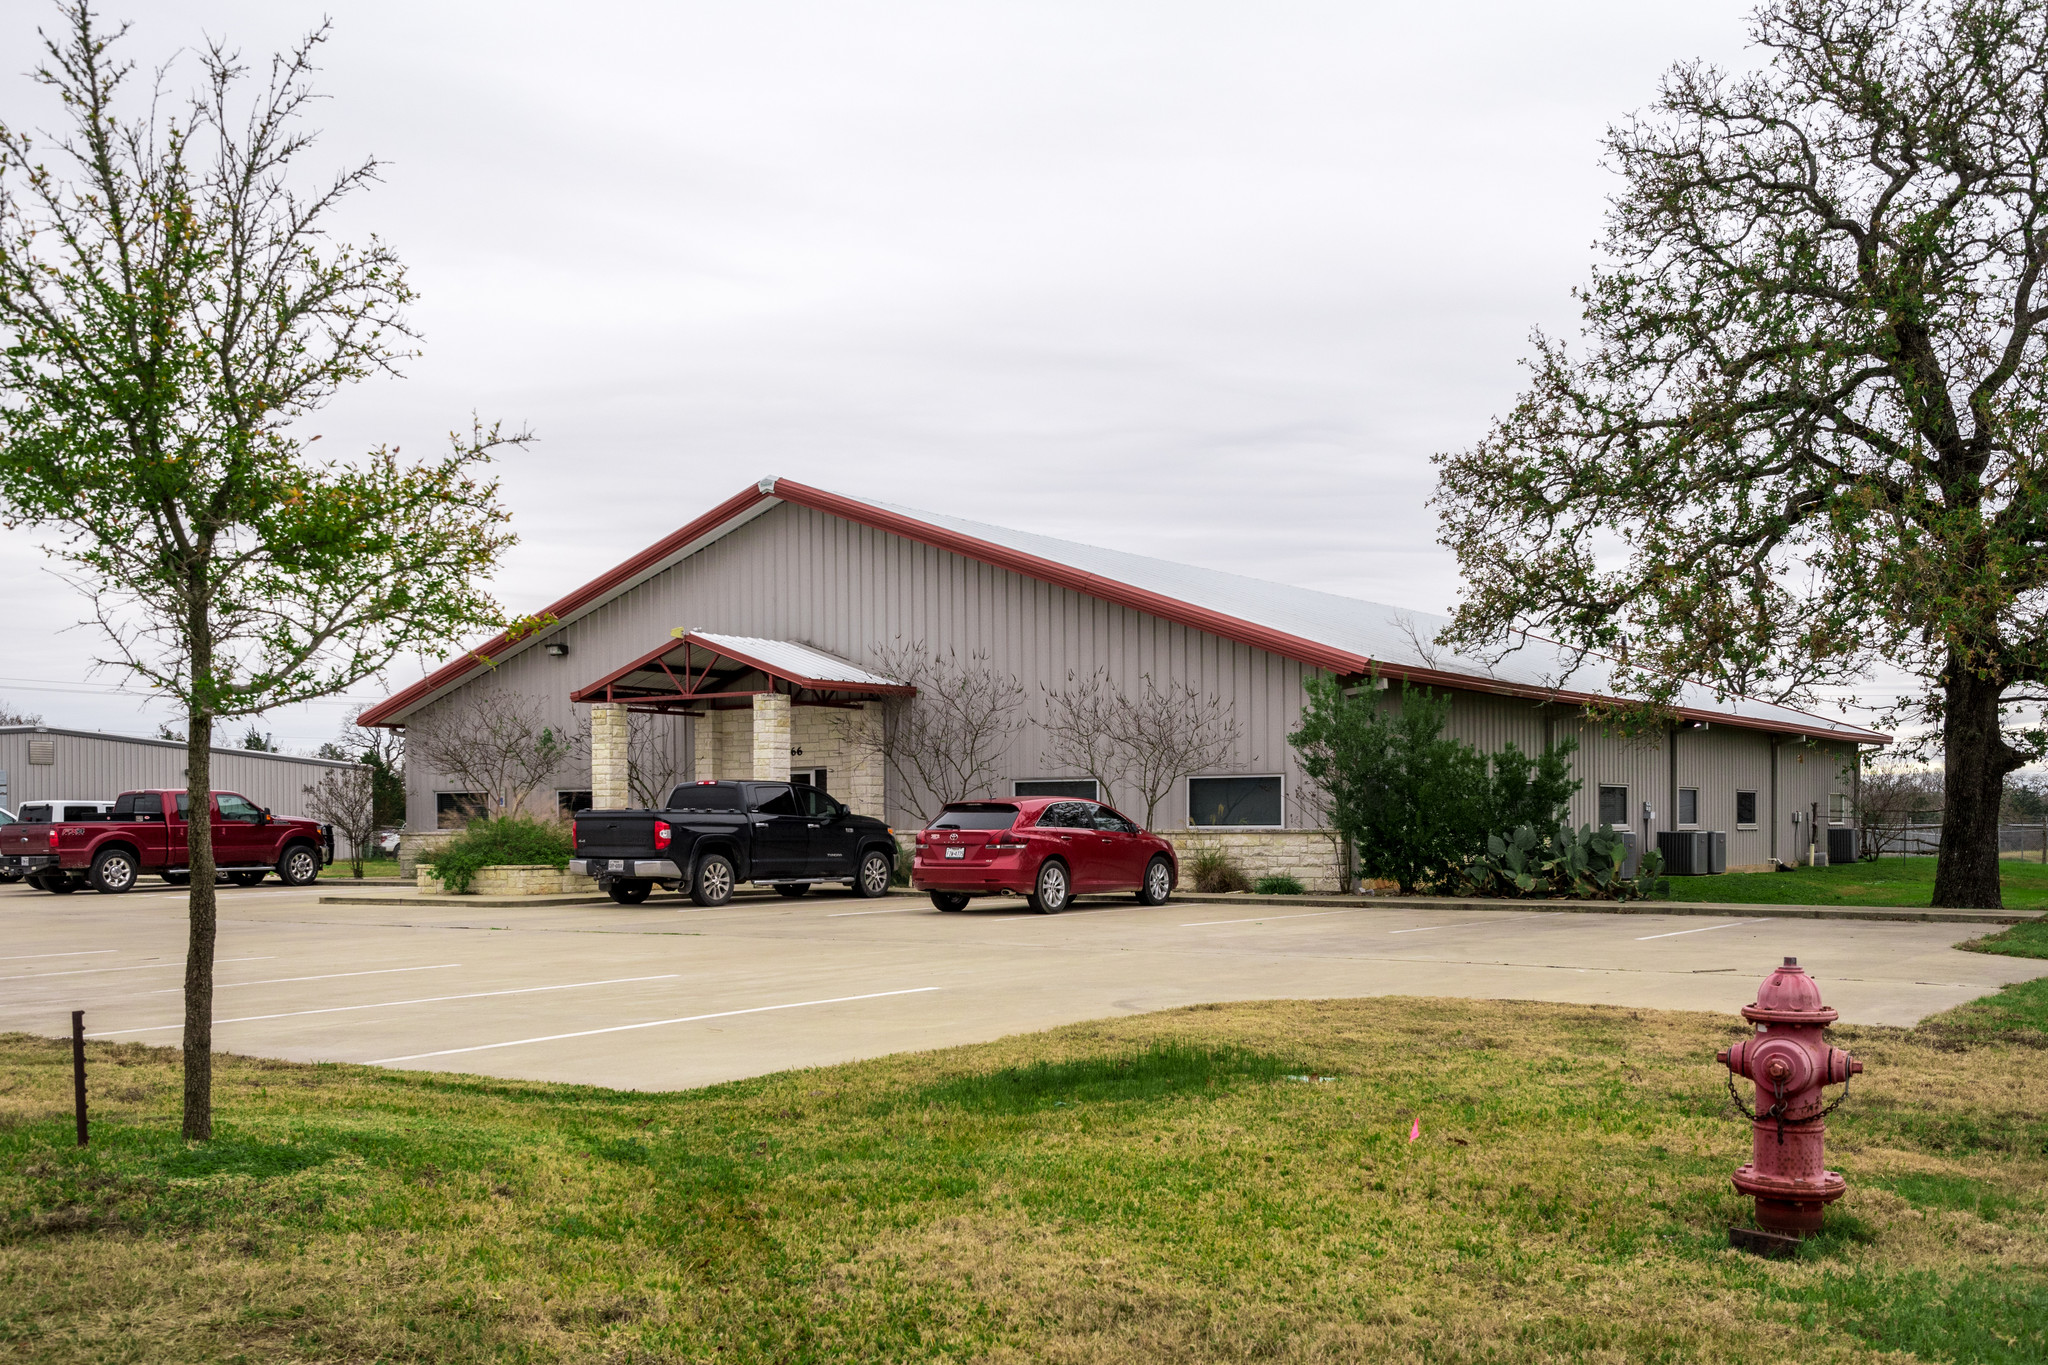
1007,840
662,834
53,836
575,835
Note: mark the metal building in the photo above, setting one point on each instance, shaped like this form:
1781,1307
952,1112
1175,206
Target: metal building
757,630
38,762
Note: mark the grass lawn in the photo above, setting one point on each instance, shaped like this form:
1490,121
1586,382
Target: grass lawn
1888,881
372,867
1161,1187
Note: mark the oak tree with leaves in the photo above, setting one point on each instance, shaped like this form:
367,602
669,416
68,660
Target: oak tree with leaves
172,309
1805,433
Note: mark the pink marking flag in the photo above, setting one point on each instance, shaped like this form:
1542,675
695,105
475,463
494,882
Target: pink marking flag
1416,1131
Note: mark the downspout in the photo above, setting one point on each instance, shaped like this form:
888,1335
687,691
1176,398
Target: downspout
1776,740
1672,821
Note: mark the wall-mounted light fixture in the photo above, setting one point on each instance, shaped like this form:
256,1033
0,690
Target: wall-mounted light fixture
557,649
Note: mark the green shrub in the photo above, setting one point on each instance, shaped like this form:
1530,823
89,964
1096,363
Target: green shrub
1215,872
1584,864
513,841
1279,884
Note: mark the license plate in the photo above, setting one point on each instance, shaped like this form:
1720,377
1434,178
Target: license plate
956,853
615,865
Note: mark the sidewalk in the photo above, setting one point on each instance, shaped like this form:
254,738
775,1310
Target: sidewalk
1717,909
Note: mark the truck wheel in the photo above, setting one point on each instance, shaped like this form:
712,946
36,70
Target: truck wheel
59,883
176,878
792,889
1052,891
1158,883
949,901
713,882
245,878
300,866
630,892
113,871
873,879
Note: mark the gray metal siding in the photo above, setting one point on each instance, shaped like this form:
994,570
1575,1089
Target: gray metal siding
101,767
798,574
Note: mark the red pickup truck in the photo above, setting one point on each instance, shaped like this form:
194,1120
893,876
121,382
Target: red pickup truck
111,853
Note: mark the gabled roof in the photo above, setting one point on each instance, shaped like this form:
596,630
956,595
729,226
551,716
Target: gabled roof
1343,635
697,667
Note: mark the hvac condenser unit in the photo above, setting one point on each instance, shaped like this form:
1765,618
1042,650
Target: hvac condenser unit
1687,852
1841,846
1717,857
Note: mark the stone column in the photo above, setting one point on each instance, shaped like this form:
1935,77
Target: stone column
610,787
771,737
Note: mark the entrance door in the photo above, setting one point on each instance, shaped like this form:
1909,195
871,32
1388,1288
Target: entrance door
782,832
832,834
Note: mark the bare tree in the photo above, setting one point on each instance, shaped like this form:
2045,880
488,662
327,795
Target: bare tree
1890,802
948,742
650,758
10,716
346,798
1143,744
500,747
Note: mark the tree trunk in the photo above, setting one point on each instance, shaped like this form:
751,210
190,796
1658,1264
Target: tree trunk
1977,758
199,938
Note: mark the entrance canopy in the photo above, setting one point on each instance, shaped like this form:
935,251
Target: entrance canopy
697,671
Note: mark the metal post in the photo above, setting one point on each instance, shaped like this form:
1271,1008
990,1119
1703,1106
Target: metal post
78,1069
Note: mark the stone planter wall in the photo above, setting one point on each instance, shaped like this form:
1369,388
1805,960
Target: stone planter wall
522,879
1307,855
414,842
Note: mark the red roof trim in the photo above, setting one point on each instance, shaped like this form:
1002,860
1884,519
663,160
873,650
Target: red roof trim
597,691
1232,628
388,711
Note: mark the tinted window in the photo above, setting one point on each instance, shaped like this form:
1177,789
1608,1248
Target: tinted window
775,800
816,803
977,817
184,805
1745,808
138,806
234,807
1614,806
1109,822
1067,815
705,796
35,815
1064,786
86,810
124,805
1234,801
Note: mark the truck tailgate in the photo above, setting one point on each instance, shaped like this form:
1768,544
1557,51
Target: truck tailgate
616,834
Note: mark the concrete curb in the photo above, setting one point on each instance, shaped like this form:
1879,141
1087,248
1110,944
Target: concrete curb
416,900
1717,909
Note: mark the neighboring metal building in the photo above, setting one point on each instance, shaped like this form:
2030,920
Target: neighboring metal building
42,761
758,627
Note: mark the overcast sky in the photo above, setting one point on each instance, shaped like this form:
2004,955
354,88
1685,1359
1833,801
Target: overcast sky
1210,282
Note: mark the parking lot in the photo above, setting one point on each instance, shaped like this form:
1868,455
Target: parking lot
665,995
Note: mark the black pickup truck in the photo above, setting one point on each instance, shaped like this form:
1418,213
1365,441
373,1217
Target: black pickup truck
711,836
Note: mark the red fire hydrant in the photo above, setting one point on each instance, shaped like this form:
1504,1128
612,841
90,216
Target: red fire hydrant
1790,1062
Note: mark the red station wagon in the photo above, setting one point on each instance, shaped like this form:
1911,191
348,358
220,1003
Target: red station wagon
1047,849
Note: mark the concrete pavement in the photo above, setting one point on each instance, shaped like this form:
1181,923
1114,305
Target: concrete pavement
664,995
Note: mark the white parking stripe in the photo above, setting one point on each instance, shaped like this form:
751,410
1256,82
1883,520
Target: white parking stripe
392,1004
1463,924
93,952
331,976
1261,919
900,910
652,1023
151,967
1703,929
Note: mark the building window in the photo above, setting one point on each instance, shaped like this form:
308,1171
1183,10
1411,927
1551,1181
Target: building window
1614,806
568,803
1745,810
1234,802
1838,808
1083,787
455,810
1688,805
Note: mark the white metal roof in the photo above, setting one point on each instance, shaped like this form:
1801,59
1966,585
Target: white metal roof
787,656
1394,637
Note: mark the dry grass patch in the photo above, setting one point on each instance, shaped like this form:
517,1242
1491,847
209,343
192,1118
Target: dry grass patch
1145,1189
